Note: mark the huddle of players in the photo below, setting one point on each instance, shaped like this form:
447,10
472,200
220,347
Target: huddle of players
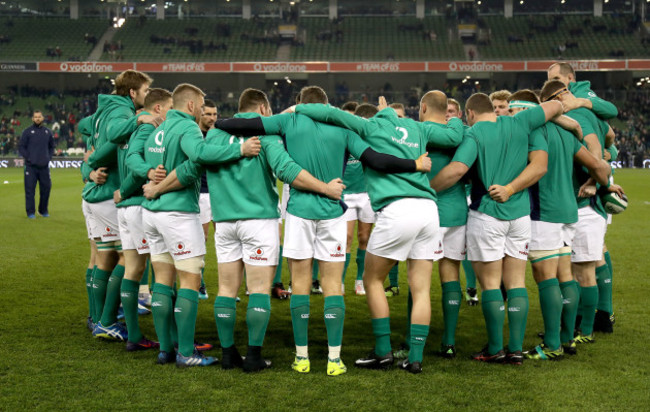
305,148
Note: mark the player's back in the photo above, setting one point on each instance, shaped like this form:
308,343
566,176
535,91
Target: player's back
552,198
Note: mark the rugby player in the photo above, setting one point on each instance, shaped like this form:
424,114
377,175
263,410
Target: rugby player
406,225
498,225
499,100
113,123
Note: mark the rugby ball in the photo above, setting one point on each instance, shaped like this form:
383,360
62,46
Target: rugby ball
613,203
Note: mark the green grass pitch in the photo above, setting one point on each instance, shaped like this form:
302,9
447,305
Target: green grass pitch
49,361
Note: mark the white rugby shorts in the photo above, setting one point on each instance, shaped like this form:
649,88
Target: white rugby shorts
284,201
359,208
205,210
590,236
105,223
178,233
131,229
451,243
406,229
490,239
255,241
319,239
89,219
550,236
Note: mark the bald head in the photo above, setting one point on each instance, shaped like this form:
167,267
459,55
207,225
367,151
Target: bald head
433,104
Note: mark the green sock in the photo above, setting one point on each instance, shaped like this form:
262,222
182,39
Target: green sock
604,282
381,330
345,267
419,335
550,301
100,281
470,276
89,290
451,298
278,270
334,313
257,317
608,260
225,315
517,317
409,310
570,298
299,306
393,276
589,299
145,276
112,303
187,306
494,314
202,281
361,263
173,329
314,270
129,297
162,310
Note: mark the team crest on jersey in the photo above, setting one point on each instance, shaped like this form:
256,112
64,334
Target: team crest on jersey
180,249
259,255
338,251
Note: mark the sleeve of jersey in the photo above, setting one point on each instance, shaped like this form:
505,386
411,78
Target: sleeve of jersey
284,167
277,124
85,172
130,184
444,137
466,152
85,125
199,151
602,108
327,114
188,172
135,156
356,146
536,140
121,126
241,127
104,156
588,126
531,118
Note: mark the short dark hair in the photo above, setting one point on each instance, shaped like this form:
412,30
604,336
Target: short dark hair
130,80
250,99
398,106
156,96
350,106
366,110
37,111
526,95
209,103
313,94
479,103
551,87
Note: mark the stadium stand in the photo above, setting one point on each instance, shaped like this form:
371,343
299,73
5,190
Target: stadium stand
557,36
38,38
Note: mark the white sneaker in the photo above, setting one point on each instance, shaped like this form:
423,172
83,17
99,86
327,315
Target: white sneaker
358,287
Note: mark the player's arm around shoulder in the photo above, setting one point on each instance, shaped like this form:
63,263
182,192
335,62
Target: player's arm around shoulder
200,151
446,137
280,162
135,155
325,113
463,159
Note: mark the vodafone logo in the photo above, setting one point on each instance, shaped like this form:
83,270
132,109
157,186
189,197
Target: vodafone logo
107,229
180,246
279,67
179,249
258,254
74,67
143,244
338,251
159,137
475,67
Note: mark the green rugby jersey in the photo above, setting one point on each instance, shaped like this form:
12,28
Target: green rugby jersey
589,123
602,108
401,137
176,140
133,168
322,150
499,153
354,179
452,202
552,198
115,118
85,128
247,188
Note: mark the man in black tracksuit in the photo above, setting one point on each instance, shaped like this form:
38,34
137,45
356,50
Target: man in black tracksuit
37,147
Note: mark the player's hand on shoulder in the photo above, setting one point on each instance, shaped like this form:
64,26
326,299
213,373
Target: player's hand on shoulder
334,189
291,109
423,163
155,121
251,147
